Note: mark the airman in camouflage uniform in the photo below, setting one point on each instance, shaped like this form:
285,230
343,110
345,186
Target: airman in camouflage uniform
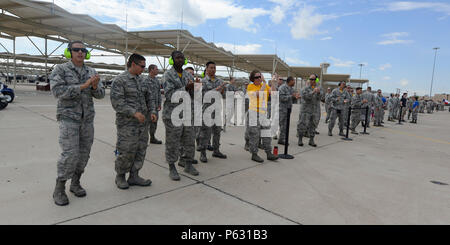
258,96
211,83
409,105
358,106
415,109
310,99
378,109
155,90
391,108
339,97
367,95
132,100
74,85
286,96
328,105
176,79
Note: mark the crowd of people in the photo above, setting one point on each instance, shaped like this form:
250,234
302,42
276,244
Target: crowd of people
137,103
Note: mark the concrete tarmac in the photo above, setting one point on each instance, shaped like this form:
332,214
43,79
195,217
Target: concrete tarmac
382,178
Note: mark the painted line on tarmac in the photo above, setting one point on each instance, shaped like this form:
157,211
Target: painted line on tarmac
418,136
165,166
26,106
124,204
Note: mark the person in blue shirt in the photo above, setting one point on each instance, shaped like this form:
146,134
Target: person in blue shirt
415,109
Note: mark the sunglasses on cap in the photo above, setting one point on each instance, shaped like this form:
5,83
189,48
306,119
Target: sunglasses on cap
79,49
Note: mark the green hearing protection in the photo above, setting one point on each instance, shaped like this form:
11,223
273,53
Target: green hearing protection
317,78
203,75
171,61
68,54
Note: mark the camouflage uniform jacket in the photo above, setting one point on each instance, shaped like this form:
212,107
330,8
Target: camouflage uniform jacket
309,100
369,97
129,94
173,83
155,89
207,85
379,102
73,103
337,98
357,102
285,95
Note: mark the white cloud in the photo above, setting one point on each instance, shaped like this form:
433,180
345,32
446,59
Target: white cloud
151,13
306,23
326,38
296,61
408,6
404,82
340,63
241,49
279,12
392,38
387,78
385,66
277,15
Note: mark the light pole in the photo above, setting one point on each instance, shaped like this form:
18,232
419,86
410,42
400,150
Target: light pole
360,72
434,65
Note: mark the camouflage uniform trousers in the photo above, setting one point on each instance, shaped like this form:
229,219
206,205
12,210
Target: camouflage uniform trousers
153,126
328,110
369,117
75,140
306,123
205,137
414,114
253,136
345,115
177,136
391,112
318,116
283,121
132,142
378,116
334,115
355,118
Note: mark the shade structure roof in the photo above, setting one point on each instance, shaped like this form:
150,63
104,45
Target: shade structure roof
305,71
265,63
335,77
46,20
58,60
361,81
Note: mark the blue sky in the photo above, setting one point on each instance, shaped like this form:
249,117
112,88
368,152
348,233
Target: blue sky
393,39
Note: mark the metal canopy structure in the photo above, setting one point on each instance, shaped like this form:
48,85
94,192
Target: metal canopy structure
58,60
23,18
360,81
335,77
49,21
269,63
305,71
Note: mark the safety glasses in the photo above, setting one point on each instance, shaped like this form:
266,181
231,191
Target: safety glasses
79,49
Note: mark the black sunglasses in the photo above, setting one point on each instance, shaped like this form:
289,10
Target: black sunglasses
258,77
312,79
79,49
142,66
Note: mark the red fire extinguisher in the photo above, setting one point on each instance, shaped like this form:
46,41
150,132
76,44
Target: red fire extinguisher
275,150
